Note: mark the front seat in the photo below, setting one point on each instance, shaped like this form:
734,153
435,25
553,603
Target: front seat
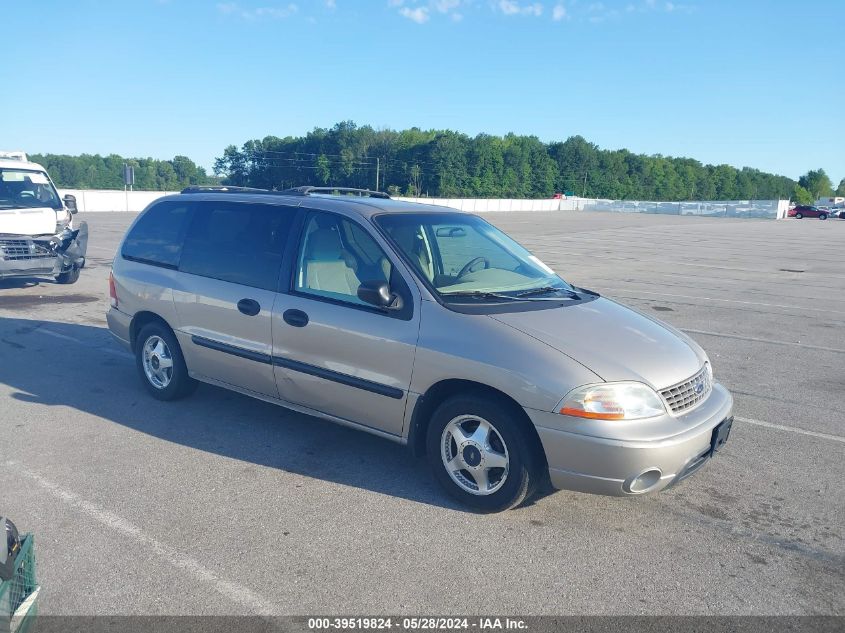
328,267
411,241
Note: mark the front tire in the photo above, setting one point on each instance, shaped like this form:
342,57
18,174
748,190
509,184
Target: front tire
798,216
481,454
160,363
823,216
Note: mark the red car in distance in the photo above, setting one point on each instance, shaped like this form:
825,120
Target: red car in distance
805,211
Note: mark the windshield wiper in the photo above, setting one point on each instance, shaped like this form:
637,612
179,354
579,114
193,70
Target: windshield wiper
481,294
547,289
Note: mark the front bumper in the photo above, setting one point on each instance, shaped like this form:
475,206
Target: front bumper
30,256
606,466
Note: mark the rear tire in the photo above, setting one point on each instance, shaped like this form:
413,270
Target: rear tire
494,465
69,276
160,363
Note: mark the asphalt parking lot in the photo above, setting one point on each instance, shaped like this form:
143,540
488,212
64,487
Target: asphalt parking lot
220,504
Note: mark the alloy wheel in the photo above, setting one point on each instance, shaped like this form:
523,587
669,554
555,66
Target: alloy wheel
158,362
474,454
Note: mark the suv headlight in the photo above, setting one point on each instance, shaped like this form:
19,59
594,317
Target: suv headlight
613,401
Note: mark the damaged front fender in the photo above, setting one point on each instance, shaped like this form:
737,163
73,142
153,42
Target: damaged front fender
71,245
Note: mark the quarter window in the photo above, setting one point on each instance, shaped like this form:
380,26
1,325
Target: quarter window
156,237
237,242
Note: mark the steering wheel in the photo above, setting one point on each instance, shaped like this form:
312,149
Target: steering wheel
473,262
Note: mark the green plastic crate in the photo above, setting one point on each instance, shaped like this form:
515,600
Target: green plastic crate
19,595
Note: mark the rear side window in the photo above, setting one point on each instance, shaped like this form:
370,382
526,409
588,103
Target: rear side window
157,236
237,242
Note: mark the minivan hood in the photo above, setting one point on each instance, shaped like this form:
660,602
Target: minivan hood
614,341
37,221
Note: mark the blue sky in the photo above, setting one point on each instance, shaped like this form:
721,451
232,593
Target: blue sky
743,82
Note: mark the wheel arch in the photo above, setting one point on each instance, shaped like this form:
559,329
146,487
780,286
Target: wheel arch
142,319
439,392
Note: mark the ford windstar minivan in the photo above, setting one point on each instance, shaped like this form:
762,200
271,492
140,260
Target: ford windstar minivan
420,324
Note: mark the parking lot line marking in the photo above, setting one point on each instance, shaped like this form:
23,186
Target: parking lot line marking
750,303
792,429
766,340
232,590
580,255
65,337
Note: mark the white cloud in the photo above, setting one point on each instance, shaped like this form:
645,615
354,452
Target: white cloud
417,14
421,12
446,6
258,13
510,7
594,11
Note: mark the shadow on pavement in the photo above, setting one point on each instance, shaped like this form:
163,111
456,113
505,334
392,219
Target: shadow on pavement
36,357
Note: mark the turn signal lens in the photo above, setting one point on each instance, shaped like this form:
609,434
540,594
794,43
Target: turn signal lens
613,401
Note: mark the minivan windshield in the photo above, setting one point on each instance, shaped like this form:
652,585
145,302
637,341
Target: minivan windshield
464,256
26,189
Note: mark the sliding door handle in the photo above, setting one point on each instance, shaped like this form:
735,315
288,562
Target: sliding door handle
249,307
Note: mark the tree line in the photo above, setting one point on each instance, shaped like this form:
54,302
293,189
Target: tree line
442,163
89,171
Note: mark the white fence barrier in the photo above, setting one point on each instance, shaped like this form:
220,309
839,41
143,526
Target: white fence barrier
93,200
773,209
491,205
729,208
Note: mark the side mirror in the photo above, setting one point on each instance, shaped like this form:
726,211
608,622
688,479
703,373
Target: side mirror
70,203
378,293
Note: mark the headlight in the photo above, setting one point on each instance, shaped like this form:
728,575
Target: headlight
63,219
613,401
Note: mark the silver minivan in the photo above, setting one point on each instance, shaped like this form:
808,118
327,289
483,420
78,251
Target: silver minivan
420,324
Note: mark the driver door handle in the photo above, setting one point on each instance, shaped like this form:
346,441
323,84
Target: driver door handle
296,318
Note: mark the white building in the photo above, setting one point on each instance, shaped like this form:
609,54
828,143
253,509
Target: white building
833,201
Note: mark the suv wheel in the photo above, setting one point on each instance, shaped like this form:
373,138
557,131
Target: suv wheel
161,364
479,453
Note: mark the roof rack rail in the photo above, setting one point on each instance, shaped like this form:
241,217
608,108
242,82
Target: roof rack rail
305,191
223,189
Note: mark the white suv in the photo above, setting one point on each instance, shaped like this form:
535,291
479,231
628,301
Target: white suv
37,232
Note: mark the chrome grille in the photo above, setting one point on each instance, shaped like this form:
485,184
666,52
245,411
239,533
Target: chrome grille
688,394
17,250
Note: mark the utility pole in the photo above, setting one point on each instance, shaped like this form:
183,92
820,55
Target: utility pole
584,192
378,169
